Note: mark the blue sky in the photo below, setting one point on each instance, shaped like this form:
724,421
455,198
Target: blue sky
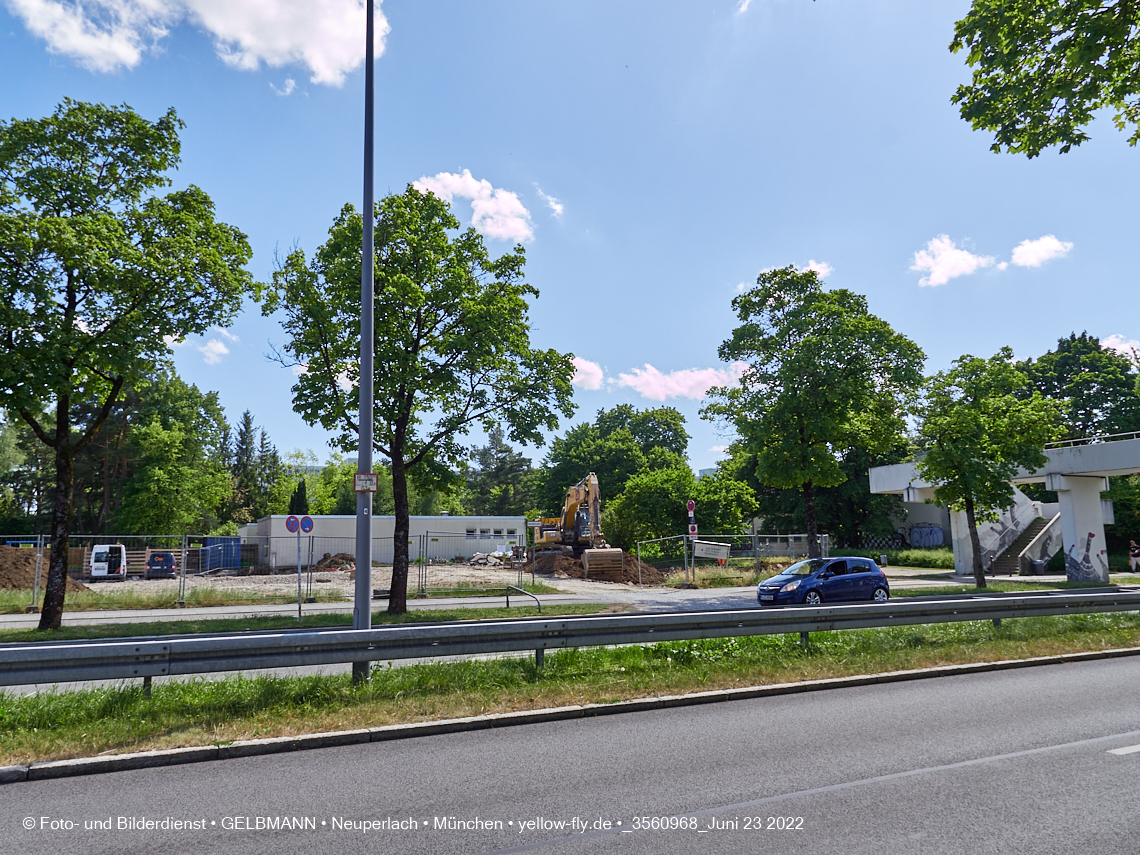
652,157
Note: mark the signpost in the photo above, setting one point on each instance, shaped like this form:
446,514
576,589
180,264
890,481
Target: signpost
535,524
691,507
304,524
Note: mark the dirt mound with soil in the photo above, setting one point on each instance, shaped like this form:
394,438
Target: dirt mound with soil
557,564
334,562
18,570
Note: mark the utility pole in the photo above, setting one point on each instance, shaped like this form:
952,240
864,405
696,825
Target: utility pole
362,607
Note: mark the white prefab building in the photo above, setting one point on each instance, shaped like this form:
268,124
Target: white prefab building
435,538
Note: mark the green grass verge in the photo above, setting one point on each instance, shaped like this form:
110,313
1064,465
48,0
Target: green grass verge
105,596
261,624
197,712
992,587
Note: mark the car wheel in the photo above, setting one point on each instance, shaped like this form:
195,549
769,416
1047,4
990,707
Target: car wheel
812,598
881,595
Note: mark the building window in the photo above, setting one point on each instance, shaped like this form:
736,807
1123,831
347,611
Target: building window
511,532
471,533
498,532
485,533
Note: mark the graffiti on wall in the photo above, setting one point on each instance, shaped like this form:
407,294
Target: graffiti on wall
1082,570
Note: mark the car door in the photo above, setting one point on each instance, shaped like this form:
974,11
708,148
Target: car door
860,579
838,587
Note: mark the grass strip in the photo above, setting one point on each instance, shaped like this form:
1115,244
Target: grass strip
992,588
15,601
270,622
198,712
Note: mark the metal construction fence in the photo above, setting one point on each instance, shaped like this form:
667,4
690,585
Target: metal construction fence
725,557
431,556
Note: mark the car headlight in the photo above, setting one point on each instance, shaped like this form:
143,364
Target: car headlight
791,586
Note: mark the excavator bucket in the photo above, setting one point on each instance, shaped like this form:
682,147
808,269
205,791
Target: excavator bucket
605,564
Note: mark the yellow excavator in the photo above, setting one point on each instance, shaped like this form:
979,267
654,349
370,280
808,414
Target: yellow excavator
580,528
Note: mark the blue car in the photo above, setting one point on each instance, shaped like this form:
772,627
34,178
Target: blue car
825,580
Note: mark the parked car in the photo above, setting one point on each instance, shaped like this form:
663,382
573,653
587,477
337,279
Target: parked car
825,580
160,565
108,563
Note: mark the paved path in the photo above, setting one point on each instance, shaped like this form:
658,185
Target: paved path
1041,760
573,591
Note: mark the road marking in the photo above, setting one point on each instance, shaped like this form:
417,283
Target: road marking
1131,749
831,788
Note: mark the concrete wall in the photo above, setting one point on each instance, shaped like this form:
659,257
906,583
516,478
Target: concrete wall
443,537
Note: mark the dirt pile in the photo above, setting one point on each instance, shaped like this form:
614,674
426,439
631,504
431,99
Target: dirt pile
335,562
558,564
18,570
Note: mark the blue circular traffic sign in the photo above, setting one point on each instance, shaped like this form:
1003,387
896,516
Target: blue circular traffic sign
306,524
292,524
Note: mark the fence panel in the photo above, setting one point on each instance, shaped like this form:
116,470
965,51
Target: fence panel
725,559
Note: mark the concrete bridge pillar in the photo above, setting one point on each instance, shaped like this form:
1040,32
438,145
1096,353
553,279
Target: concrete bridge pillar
1082,525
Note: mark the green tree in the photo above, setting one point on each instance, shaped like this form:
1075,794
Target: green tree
662,427
96,272
619,443
174,490
977,430
1043,68
653,505
849,511
332,491
1096,387
824,375
452,345
501,482
299,501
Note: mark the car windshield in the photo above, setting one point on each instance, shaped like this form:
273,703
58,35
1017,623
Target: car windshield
805,568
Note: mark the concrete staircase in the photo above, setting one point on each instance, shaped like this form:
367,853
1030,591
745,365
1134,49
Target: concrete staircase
1006,563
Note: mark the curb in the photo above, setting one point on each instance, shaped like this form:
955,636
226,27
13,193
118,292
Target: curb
304,742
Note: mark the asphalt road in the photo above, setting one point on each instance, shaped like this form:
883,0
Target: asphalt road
1012,762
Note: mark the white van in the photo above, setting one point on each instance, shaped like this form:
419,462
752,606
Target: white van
108,561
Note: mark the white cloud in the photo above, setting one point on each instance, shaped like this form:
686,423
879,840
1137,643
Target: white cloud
740,288
822,268
226,334
686,383
555,204
171,341
287,90
587,374
943,261
1034,253
495,212
1128,347
742,7
106,35
213,351
719,449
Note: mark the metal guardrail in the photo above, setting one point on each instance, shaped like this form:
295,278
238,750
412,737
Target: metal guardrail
47,662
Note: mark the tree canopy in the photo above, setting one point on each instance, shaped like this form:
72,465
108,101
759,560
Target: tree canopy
452,345
97,274
621,442
824,375
1043,68
977,429
1096,387
501,482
